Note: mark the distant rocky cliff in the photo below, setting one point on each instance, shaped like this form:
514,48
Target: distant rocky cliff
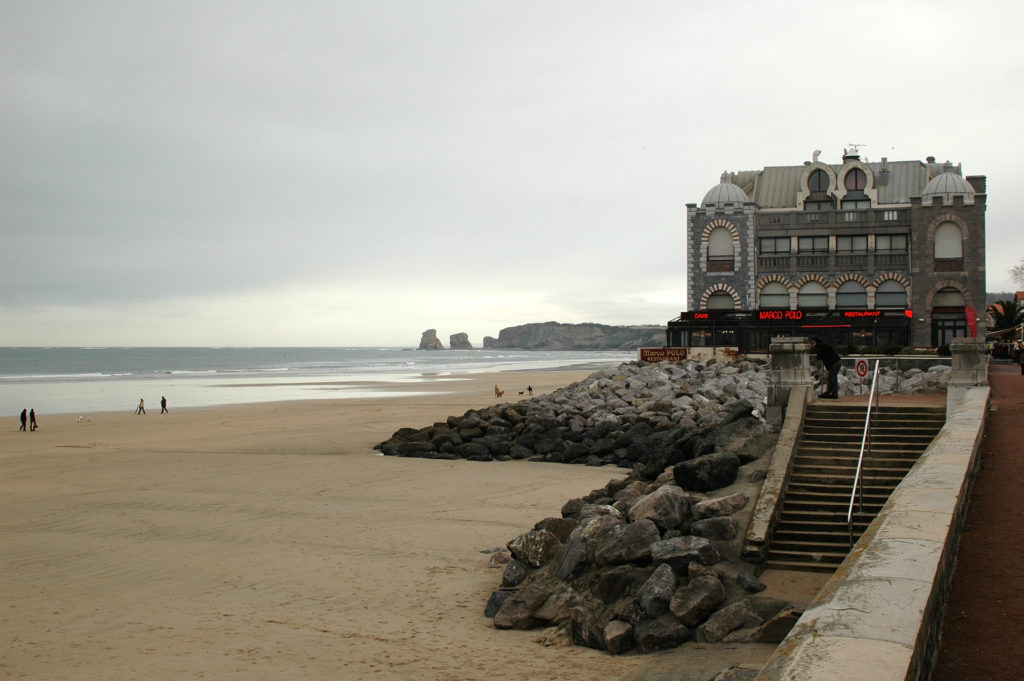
557,336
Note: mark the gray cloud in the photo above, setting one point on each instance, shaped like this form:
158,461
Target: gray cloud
380,153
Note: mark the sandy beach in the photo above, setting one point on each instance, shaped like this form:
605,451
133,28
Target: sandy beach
271,542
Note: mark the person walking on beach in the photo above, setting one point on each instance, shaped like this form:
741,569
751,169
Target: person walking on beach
32,425
141,409
827,355
24,419
163,405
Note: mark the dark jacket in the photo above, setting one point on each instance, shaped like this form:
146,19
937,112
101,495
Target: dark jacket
824,352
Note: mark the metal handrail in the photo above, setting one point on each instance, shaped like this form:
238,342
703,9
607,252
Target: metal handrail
857,493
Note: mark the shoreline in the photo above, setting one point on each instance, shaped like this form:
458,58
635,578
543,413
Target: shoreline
269,540
103,396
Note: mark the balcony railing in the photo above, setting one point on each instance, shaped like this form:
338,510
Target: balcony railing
721,263
838,262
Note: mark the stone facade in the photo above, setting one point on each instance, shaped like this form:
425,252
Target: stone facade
906,238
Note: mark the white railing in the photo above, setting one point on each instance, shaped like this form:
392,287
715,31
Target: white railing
857,493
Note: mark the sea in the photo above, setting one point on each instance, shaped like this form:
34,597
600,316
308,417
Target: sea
65,380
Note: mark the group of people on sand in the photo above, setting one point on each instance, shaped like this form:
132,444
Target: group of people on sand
141,409
28,419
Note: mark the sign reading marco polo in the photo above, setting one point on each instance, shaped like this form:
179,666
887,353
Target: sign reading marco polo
662,354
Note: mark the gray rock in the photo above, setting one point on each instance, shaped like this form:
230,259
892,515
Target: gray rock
660,634
679,552
695,602
586,627
517,611
726,620
630,543
778,627
515,572
656,593
714,528
534,548
719,506
750,583
708,472
667,506
496,600
618,637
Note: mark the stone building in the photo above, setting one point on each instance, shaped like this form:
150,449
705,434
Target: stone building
871,254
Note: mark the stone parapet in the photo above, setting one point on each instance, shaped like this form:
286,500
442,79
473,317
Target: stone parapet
791,367
879,616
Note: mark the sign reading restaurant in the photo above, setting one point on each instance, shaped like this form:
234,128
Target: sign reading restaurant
654,355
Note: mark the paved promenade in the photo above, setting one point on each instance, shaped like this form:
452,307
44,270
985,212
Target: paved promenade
983,628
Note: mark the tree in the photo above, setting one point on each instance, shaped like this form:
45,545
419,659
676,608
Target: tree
1017,273
1006,314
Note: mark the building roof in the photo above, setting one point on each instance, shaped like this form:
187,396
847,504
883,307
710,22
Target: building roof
946,185
895,181
724,192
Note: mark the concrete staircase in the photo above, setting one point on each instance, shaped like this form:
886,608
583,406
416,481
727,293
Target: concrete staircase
811,531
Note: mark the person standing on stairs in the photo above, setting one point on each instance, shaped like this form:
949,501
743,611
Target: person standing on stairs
827,355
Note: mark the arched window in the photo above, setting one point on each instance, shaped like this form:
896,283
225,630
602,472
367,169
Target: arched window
720,300
855,182
891,294
818,186
948,297
811,296
949,241
818,181
851,295
720,250
949,248
774,296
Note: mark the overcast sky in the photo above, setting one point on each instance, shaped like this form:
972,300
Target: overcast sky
353,173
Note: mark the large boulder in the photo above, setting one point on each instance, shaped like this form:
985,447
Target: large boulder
695,602
630,543
430,341
708,472
728,619
517,611
535,547
679,552
656,593
660,634
666,506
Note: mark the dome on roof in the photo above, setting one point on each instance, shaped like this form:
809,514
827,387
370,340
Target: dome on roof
724,192
946,185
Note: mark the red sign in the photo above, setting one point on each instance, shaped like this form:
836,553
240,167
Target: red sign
662,354
851,314
862,368
780,315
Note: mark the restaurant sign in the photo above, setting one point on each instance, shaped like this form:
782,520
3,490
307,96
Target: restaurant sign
662,354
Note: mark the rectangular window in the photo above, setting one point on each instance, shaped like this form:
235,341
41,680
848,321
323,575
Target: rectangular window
852,244
891,243
774,244
812,244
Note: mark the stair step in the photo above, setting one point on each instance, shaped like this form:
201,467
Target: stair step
805,566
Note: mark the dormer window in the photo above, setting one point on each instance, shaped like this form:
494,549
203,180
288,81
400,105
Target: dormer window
856,181
818,184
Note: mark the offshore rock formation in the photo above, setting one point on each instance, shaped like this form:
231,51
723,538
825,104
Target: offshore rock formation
430,341
459,341
557,336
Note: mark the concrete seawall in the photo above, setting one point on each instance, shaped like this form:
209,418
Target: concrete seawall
878,618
